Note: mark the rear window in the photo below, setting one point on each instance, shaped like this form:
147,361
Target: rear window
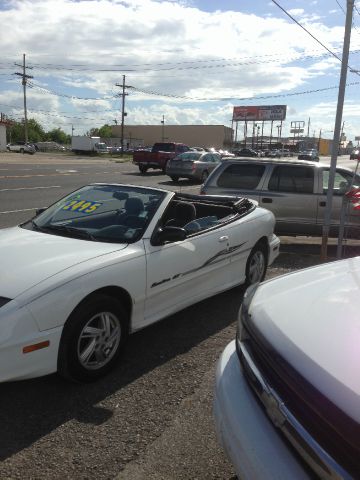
292,179
189,156
163,147
241,176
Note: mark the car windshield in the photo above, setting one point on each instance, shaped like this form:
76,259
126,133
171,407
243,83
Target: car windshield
108,213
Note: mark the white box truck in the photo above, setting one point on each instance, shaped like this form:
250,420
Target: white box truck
84,144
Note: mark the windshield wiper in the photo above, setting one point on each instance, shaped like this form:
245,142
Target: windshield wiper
70,230
36,226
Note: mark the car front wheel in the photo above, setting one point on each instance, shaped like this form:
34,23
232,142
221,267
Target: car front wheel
256,265
92,339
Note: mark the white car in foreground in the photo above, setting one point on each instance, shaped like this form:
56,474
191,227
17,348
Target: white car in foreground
291,380
108,260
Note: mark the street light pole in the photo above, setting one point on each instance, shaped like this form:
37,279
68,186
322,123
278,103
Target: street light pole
339,110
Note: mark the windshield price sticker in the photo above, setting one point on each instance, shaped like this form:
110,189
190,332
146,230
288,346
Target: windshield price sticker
81,206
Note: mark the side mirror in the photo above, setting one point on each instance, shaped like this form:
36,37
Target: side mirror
168,234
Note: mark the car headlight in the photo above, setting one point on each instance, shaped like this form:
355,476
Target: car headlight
241,332
4,300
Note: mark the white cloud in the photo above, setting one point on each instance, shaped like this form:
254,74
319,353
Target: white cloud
169,47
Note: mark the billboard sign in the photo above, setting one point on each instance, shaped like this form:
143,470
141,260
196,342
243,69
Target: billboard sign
259,113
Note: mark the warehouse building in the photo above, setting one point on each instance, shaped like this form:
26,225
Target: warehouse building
217,136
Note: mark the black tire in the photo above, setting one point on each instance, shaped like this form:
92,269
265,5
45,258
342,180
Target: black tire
174,178
142,168
256,265
100,350
204,176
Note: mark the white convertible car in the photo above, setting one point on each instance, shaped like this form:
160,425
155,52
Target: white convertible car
110,259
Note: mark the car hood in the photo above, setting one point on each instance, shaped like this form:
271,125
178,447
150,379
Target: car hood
27,258
311,318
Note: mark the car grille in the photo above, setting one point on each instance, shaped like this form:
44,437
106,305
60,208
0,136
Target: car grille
323,435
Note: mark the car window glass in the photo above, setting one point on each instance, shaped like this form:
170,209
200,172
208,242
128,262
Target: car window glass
241,176
292,179
189,156
342,180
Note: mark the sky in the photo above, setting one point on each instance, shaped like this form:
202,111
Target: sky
184,61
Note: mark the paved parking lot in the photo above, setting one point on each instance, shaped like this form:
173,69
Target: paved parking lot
150,418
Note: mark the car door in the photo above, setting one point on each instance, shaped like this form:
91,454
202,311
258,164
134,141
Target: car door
184,272
343,179
289,194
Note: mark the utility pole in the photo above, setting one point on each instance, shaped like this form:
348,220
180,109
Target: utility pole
336,140
123,113
25,78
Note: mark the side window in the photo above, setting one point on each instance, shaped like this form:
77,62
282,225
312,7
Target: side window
342,181
241,176
292,179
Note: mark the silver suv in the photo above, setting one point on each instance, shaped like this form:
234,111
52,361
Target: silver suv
294,190
21,147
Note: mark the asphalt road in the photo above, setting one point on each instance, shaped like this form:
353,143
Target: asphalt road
151,417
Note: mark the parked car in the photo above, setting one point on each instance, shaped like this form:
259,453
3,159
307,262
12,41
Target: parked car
355,154
294,190
286,152
192,165
288,388
198,149
273,153
21,147
309,155
159,155
110,259
246,152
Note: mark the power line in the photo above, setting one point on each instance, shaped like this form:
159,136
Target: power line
224,99
312,36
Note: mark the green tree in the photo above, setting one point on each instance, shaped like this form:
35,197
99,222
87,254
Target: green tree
59,136
93,132
105,131
15,132
36,133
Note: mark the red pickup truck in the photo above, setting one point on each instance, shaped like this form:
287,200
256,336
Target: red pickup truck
159,155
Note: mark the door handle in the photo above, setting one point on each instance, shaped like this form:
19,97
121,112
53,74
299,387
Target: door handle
223,239
322,204
266,200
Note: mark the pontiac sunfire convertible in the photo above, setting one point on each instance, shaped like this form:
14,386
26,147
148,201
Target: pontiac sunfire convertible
110,259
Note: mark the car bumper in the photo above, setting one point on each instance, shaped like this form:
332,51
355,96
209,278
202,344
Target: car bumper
249,439
177,172
18,329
